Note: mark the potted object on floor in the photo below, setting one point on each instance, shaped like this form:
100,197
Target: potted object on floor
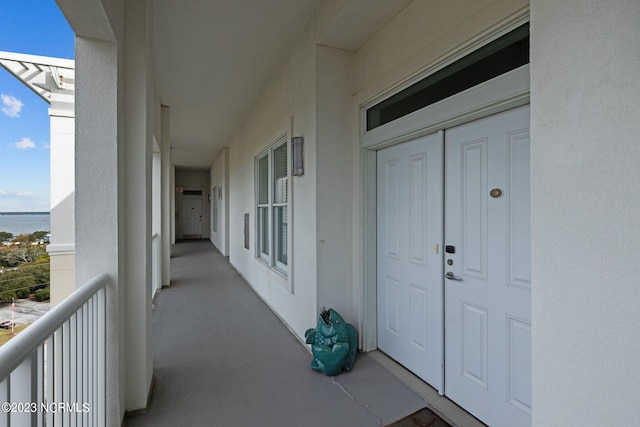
334,343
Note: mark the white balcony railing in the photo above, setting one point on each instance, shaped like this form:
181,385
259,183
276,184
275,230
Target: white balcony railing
53,372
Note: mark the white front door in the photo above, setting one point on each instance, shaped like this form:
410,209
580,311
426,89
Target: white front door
485,327
488,293
192,208
410,208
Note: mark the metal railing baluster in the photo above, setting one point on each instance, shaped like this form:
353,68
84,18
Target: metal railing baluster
40,381
49,371
57,366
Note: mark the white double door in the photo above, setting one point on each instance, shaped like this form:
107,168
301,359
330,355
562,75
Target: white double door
454,286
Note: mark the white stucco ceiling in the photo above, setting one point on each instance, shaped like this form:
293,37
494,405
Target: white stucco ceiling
213,58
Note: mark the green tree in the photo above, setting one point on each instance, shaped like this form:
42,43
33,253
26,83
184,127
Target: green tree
40,273
42,295
24,239
14,285
28,278
5,236
4,251
39,235
23,254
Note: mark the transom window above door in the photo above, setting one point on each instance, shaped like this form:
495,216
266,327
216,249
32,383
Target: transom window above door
504,54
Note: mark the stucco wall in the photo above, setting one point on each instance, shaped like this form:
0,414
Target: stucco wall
97,200
334,181
423,32
585,203
62,227
288,102
218,177
62,276
62,134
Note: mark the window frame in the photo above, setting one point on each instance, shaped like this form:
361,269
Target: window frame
261,254
214,209
267,250
494,59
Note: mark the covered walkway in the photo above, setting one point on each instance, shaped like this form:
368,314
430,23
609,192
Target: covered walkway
222,358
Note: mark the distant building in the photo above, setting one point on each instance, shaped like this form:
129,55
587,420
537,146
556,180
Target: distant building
53,79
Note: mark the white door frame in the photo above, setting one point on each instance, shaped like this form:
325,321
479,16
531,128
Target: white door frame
179,220
502,93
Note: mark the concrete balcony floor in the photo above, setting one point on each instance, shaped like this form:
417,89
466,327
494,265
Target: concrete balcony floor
223,358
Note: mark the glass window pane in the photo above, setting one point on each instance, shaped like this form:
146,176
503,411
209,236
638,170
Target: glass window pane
280,162
263,180
214,209
281,192
281,183
282,230
498,57
263,232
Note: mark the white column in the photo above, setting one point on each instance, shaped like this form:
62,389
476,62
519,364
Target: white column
172,183
166,192
97,210
136,197
156,180
156,228
585,182
62,133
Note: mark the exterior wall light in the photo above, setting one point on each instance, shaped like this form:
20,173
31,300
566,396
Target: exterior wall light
297,156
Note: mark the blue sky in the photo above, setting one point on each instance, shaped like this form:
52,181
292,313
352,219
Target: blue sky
35,27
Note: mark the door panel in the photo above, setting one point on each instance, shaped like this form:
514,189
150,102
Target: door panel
474,344
410,208
192,216
488,307
519,224
473,209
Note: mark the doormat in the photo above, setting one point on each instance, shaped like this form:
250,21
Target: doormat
422,418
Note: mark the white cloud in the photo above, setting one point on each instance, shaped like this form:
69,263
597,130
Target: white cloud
22,195
25,144
22,201
11,106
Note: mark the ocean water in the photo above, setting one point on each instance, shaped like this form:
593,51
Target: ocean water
24,223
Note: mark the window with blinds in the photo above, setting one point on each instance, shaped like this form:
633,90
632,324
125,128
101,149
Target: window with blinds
272,209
